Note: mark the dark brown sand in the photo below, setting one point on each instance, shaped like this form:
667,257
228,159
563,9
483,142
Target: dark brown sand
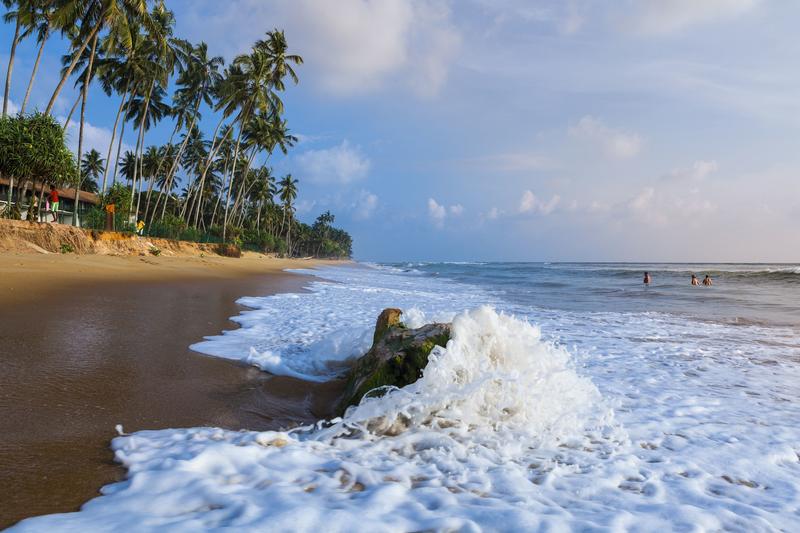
82,358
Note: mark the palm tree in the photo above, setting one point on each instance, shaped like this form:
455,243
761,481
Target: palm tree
252,85
129,164
91,168
84,92
94,15
196,84
38,20
288,193
17,16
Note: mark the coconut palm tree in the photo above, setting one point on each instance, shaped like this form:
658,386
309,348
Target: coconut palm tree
38,21
129,164
17,15
287,190
95,15
254,80
91,168
196,84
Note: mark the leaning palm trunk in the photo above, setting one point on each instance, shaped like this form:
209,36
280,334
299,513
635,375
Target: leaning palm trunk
72,111
35,70
11,68
113,135
242,121
242,193
84,92
75,58
219,196
215,147
140,148
157,172
119,149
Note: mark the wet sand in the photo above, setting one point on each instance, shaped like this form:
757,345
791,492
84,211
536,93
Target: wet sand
83,357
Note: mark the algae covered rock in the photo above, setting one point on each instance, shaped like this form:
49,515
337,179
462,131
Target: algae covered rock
397,357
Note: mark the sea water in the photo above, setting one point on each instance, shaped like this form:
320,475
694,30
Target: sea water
571,397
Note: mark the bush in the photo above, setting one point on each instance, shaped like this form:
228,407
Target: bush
229,250
190,234
170,227
67,248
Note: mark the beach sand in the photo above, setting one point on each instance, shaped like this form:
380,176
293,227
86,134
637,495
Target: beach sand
88,342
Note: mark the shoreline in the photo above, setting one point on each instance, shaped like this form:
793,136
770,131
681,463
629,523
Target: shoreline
94,341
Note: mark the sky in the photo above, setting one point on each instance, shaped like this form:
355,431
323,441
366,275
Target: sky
522,130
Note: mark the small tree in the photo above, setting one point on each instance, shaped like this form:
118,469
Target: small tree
33,147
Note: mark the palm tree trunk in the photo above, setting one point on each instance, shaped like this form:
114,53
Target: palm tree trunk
173,168
242,193
219,196
215,146
158,170
119,149
242,121
113,135
140,146
75,58
72,111
84,93
35,70
10,68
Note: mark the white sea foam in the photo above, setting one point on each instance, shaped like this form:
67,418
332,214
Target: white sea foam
472,442
311,336
609,421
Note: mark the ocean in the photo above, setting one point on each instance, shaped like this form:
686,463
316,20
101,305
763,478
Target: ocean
571,397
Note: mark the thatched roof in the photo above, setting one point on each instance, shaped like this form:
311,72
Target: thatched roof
85,196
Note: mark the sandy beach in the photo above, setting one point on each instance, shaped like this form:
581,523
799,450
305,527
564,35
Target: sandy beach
91,341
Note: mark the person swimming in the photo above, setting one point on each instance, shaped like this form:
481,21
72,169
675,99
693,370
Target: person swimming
707,281
647,278
695,281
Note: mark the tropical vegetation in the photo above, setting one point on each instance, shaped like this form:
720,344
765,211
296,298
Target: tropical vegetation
213,186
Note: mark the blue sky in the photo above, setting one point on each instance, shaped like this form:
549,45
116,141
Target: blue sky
648,130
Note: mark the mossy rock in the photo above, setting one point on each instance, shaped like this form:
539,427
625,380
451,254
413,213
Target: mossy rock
397,357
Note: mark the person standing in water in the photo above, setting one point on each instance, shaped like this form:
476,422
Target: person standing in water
647,278
695,281
707,281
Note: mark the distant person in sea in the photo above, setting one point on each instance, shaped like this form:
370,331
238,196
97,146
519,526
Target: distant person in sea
647,278
695,281
707,281
140,227
54,203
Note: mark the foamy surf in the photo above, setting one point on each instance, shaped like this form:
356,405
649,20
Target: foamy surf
468,446
591,419
312,336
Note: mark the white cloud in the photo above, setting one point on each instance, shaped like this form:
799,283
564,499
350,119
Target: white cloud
699,171
666,16
340,164
530,203
304,207
439,212
365,205
680,196
352,45
493,213
94,137
615,143
513,162
13,108
436,212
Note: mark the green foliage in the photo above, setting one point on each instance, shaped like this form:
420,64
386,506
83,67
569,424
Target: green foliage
190,234
156,251
67,248
33,146
171,227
